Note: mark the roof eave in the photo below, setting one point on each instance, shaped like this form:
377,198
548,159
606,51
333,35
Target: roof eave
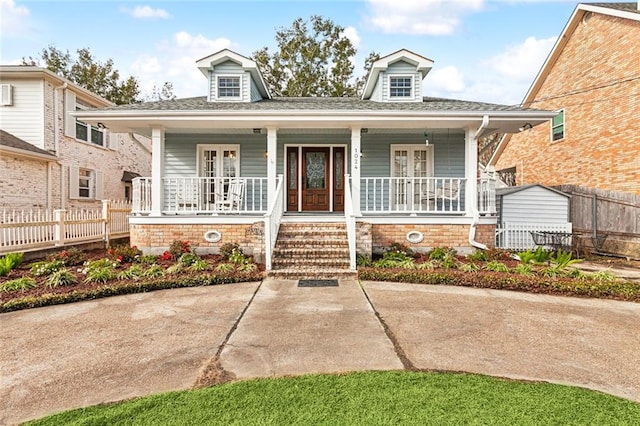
29,154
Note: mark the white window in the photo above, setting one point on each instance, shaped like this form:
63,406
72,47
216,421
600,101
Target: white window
85,184
7,95
229,87
401,87
411,167
88,133
557,126
219,164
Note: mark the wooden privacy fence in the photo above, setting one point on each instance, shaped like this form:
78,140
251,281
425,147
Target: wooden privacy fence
517,236
37,229
605,221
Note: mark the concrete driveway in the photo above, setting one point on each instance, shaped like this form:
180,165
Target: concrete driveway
82,354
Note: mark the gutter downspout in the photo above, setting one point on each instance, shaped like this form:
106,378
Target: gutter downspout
56,148
474,207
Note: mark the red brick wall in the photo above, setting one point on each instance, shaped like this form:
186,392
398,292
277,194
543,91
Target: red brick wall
601,148
434,236
155,238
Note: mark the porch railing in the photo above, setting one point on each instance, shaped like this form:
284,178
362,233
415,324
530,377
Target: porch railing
412,195
199,195
350,221
487,196
272,222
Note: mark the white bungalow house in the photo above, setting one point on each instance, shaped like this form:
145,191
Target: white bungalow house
306,183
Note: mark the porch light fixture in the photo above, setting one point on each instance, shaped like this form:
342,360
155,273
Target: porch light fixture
266,154
257,131
101,125
364,130
426,138
526,126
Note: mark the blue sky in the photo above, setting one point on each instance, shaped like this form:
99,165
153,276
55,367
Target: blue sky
485,50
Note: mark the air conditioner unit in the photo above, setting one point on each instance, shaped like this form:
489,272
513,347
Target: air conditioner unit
7,95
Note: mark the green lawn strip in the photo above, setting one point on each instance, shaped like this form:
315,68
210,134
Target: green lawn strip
619,290
125,287
367,398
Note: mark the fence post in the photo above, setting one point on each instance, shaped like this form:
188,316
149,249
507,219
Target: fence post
60,216
106,217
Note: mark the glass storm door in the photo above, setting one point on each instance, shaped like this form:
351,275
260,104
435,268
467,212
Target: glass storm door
409,165
315,179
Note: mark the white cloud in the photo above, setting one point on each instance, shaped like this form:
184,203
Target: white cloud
444,81
352,34
523,61
147,12
175,61
423,17
13,18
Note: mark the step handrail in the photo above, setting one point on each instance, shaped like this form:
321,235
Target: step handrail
350,220
272,220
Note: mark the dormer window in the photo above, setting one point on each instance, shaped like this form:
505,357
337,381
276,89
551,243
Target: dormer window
229,87
400,87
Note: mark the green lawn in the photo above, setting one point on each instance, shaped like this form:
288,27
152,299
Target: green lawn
368,398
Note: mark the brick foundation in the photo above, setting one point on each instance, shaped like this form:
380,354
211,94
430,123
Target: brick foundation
440,235
156,238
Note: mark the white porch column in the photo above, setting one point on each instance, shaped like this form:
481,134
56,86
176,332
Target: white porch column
471,170
272,156
157,171
356,157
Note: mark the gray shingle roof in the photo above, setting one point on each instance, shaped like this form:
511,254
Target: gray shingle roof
7,139
318,104
626,7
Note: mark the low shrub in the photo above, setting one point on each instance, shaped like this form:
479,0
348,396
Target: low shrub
124,253
620,290
400,248
46,268
225,267
496,266
468,267
200,265
61,277
227,249
9,262
148,259
439,253
524,269
362,260
134,272
100,275
395,259
70,257
188,259
178,247
478,256
18,284
153,271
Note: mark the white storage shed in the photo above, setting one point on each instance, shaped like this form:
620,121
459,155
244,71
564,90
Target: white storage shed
530,208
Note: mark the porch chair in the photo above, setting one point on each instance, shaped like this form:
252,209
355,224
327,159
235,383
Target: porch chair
448,191
187,196
232,200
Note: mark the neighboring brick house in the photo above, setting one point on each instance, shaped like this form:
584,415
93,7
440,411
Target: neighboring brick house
592,78
48,159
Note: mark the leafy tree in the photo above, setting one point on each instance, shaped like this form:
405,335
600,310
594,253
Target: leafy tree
314,58
368,63
98,77
161,93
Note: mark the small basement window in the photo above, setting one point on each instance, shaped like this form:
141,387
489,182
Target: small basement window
557,126
85,183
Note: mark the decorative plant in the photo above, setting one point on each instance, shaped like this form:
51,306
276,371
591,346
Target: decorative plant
225,267
227,249
400,248
178,247
563,259
100,275
478,256
70,257
199,265
9,262
523,269
124,253
439,253
154,271
61,277
496,266
45,268
395,259
133,273
19,284
468,267
188,259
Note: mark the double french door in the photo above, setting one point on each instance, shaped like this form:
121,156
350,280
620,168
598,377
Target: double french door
315,178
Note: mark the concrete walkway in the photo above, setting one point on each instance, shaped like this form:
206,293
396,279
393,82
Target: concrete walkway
81,354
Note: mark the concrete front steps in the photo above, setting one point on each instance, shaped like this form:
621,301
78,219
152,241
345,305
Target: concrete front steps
311,251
